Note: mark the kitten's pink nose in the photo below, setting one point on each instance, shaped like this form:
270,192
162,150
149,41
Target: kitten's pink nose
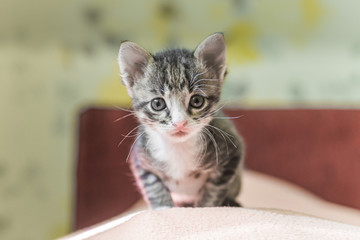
180,125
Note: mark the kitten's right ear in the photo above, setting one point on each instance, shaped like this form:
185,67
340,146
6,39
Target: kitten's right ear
133,61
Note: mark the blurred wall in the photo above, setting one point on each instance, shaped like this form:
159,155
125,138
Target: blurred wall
56,57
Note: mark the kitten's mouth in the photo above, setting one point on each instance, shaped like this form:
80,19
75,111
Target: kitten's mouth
179,133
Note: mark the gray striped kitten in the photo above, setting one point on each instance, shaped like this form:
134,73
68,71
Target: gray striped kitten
187,153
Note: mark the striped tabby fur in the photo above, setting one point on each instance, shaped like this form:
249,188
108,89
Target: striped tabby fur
187,153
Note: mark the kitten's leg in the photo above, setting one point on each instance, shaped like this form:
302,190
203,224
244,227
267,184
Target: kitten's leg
151,186
221,185
233,193
154,190
213,195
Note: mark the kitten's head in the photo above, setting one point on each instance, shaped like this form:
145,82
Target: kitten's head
175,92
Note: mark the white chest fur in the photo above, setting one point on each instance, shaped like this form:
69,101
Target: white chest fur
185,178
180,158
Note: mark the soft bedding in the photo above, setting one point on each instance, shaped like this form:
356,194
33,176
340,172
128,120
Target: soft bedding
227,223
261,194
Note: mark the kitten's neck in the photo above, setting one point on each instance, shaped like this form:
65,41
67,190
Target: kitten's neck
158,143
179,158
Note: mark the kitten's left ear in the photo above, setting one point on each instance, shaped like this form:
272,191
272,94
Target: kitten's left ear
212,53
133,61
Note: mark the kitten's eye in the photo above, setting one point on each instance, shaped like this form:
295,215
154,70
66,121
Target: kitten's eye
158,104
196,101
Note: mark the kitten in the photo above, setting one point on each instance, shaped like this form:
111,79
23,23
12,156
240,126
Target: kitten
187,152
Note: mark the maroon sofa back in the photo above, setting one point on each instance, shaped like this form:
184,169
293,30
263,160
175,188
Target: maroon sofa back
316,149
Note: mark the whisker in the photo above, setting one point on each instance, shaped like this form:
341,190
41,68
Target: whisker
204,142
200,90
132,146
232,101
226,134
220,131
121,118
127,135
214,143
206,79
235,117
194,78
124,109
206,85
212,113
219,109
134,135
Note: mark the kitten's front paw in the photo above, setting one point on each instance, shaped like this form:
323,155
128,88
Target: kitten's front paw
230,203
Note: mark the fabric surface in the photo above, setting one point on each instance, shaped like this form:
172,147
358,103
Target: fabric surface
227,223
262,191
259,191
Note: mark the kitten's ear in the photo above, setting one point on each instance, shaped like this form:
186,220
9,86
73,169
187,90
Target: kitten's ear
133,61
212,53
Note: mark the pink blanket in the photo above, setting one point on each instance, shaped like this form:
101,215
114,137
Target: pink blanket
227,223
